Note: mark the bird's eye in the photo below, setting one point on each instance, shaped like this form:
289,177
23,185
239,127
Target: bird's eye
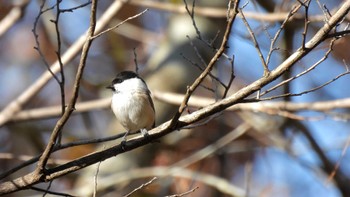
117,80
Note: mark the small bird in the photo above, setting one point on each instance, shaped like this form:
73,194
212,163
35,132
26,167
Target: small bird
132,103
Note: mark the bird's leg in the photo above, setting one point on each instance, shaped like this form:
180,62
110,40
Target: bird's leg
124,139
125,135
144,132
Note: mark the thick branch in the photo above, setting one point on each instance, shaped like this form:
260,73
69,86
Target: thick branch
222,12
195,101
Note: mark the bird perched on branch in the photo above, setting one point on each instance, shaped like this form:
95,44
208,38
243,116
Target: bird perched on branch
132,103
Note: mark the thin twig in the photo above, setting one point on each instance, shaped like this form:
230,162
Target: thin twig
330,49
326,13
210,66
216,79
306,91
232,76
199,36
191,13
39,171
141,186
58,54
36,38
51,192
96,178
256,44
212,148
306,22
337,165
196,52
339,34
61,82
340,180
135,61
16,104
61,147
76,7
219,183
184,193
292,13
119,24
202,69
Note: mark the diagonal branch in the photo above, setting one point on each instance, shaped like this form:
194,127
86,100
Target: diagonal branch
210,66
16,105
256,44
71,106
40,170
12,17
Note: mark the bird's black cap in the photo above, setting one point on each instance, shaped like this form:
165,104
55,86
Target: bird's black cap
122,76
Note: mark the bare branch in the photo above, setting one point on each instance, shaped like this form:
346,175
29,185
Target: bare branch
210,66
222,13
304,72
184,193
119,24
212,148
71,106
141,186
31,160
221,184
163,129
55,111
292,13
195,101
40,171
95,179
309,90
51,192
59,59
36,38
9,156
337,165
12,17
135,61
76,7
191,13
306,22
256,44
16,105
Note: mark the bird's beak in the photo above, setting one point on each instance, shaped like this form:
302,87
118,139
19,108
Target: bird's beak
110,87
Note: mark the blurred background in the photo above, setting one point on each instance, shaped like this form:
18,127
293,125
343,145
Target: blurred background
276,156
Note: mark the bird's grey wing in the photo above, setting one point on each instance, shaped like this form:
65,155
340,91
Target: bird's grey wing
152,104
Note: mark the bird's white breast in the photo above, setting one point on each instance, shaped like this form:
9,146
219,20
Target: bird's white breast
131,105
